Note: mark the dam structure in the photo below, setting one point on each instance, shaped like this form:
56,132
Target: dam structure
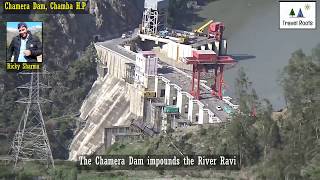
148,90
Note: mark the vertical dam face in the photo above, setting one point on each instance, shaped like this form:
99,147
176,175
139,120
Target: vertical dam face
106,105
111,102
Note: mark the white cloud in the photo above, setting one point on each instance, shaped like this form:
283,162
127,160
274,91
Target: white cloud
35,28
12,29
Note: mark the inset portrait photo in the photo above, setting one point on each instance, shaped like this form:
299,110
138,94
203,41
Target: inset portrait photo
24,42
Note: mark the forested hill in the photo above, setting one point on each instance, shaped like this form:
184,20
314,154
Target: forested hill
69,56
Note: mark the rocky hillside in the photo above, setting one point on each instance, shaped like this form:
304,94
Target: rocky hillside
70,59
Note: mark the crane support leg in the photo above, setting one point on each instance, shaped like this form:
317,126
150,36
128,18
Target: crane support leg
198,84
221,81
193,77
214,86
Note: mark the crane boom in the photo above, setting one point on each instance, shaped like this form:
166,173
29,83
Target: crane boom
200,29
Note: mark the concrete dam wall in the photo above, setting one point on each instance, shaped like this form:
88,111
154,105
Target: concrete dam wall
106,105
111,102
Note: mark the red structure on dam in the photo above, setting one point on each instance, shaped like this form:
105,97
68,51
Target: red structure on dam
203,61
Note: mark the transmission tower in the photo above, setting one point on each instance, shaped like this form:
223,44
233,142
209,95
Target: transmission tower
31,141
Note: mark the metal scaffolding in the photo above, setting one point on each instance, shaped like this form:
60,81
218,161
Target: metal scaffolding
31,141
150,21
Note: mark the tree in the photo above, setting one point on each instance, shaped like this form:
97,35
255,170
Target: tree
312,170
241,133
301,79
268,130
301,84
292,13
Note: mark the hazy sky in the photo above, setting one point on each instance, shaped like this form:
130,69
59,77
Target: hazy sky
31,25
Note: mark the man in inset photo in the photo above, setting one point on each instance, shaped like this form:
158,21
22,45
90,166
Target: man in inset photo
25,47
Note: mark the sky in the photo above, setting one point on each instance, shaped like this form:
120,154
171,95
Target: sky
13,26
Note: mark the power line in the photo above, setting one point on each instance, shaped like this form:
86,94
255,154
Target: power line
31,140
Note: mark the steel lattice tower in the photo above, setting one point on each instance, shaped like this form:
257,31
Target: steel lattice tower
150,21
31,141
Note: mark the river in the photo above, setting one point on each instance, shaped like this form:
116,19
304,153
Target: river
252,31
